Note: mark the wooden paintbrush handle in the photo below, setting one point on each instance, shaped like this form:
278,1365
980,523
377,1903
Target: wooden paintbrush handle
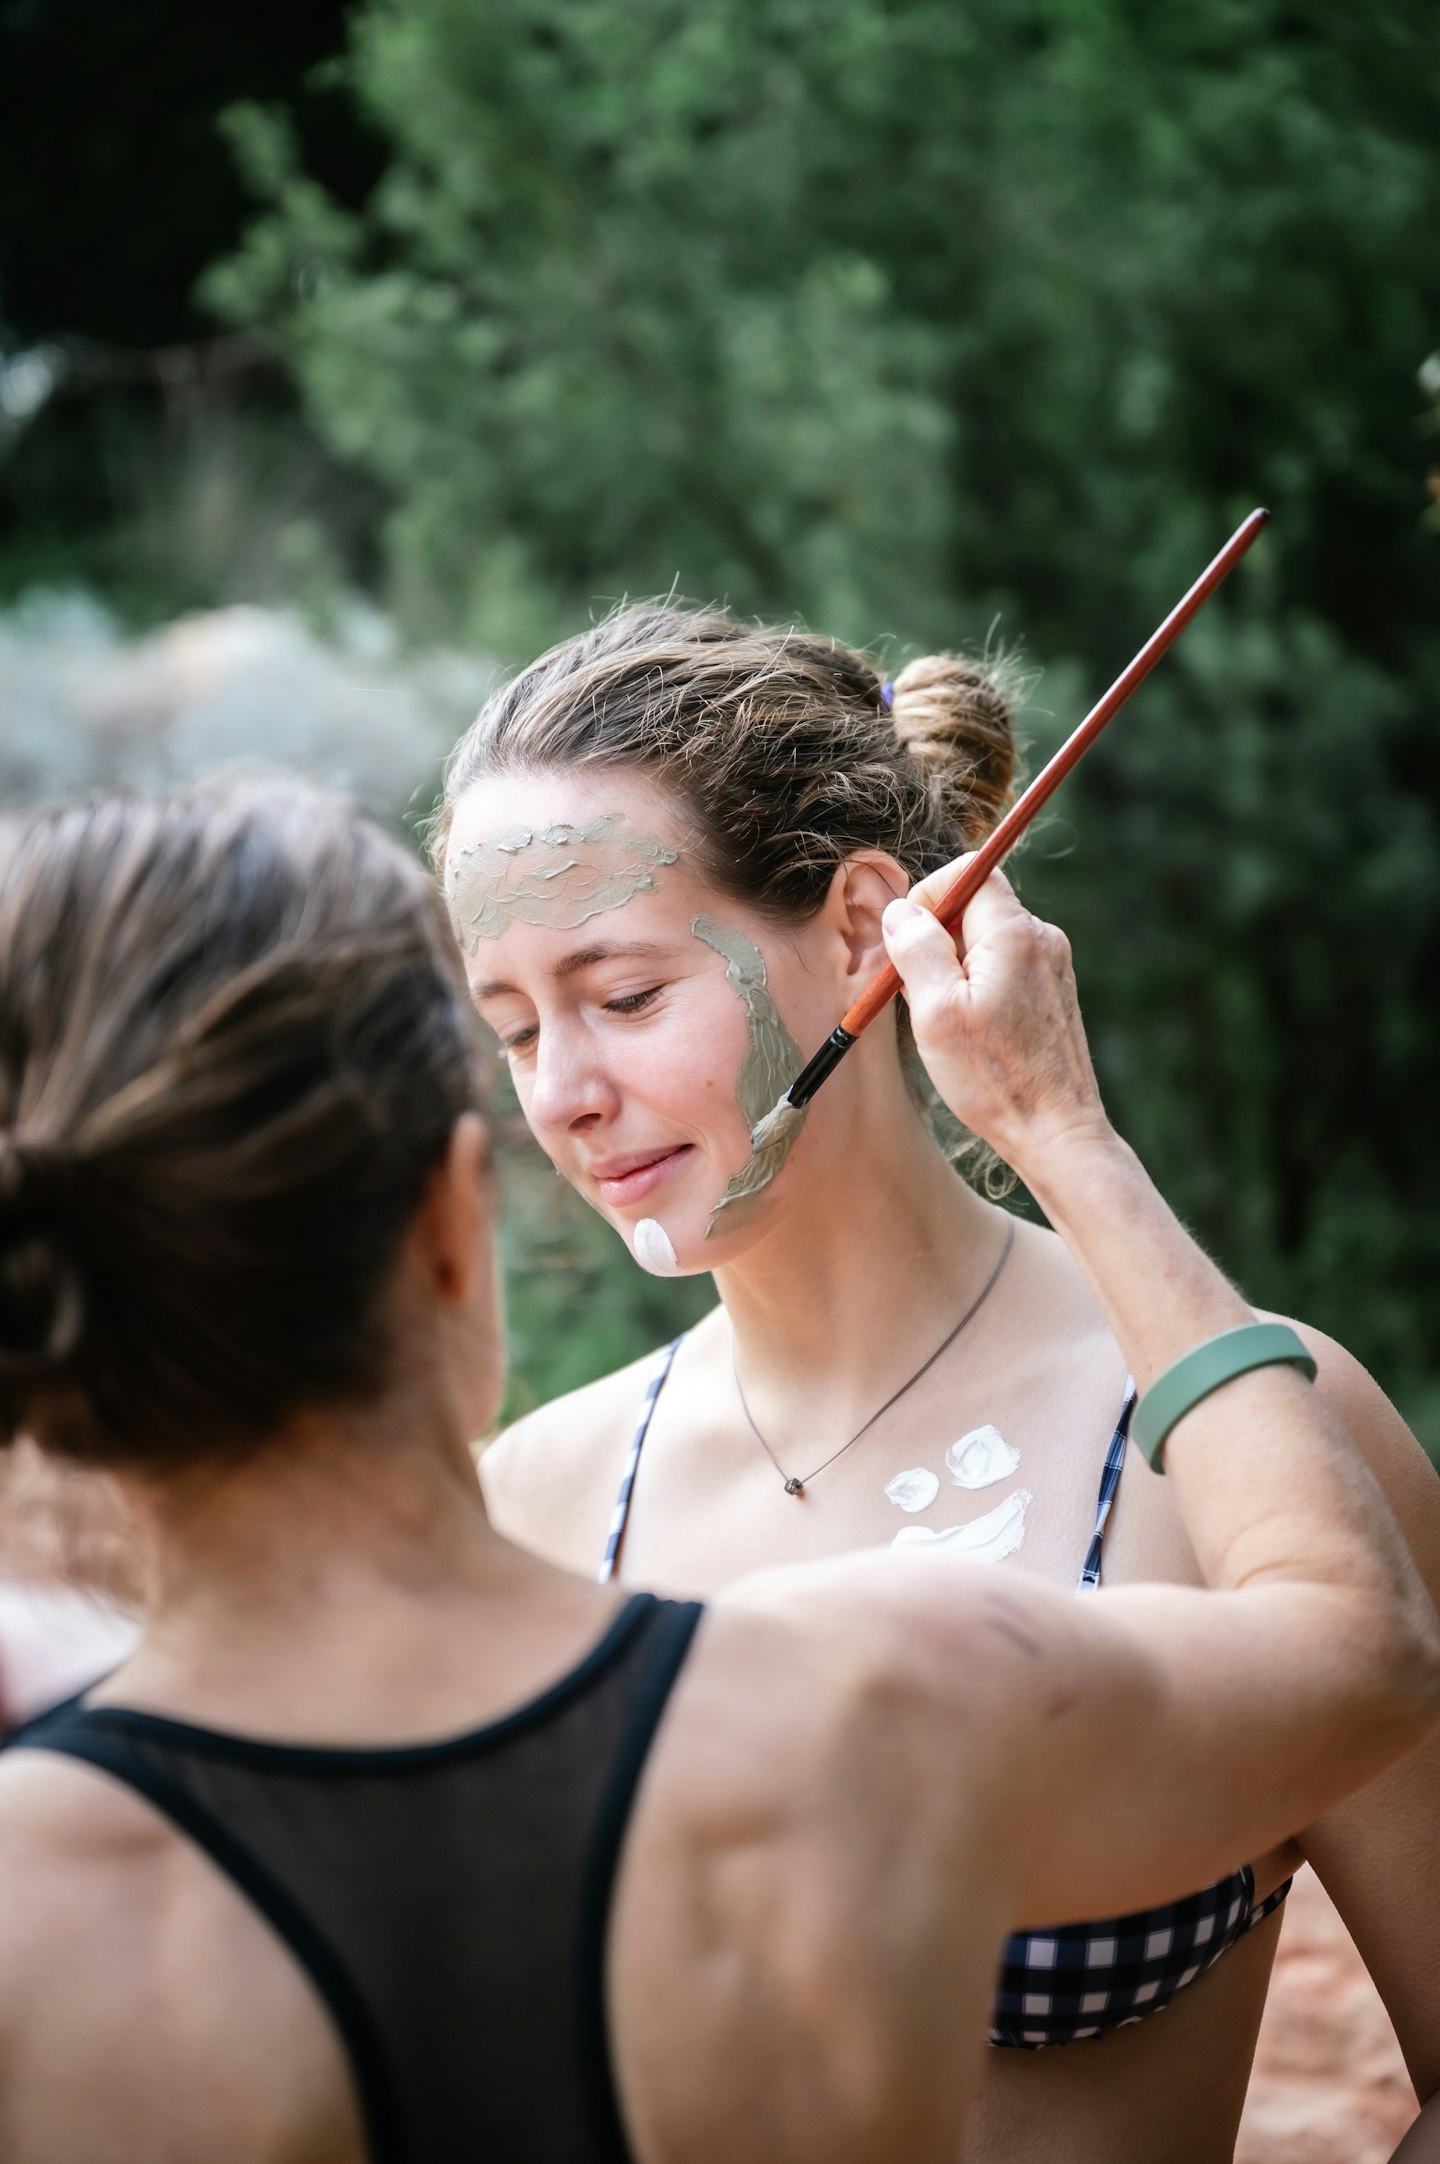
967,883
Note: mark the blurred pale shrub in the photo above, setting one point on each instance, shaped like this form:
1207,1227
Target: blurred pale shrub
85,705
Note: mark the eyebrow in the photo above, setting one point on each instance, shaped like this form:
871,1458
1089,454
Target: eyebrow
605,950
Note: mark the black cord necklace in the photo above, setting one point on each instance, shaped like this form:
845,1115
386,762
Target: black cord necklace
796,1484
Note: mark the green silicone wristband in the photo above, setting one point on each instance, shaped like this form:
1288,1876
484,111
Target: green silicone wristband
1195,1374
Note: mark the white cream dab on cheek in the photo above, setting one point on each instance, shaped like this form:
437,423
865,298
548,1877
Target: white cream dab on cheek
913,1490
985,1540
653,1249
981,1458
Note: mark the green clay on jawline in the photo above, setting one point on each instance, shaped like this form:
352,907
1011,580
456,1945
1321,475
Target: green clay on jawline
772,1059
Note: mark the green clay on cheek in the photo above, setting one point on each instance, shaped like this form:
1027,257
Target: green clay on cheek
772,1060
557,878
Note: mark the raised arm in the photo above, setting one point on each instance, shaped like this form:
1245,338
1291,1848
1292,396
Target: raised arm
1210,1724
882,1763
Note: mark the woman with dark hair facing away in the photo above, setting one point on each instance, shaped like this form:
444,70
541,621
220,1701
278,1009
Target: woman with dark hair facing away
393,1841
667,847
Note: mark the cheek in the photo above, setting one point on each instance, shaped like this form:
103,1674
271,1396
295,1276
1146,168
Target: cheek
682,1068
690,1064
808,1000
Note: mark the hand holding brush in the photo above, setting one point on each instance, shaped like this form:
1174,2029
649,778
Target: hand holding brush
772,1138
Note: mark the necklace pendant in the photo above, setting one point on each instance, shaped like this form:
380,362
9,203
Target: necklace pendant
794,1486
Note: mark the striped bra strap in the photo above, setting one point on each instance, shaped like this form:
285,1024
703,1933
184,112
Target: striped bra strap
1109,1482
620,1515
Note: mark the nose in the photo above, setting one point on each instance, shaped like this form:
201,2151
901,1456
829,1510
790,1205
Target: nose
571,1091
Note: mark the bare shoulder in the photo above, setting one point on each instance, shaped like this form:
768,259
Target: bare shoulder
935,1659
550,1479
103,1896
80,1861
1068,1339
64,1830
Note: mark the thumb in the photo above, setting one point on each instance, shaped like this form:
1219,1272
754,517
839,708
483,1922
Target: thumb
921,949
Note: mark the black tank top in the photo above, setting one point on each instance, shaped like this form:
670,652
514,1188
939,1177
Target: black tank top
448,1900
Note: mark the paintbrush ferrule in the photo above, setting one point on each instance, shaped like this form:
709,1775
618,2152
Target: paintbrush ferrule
826,1060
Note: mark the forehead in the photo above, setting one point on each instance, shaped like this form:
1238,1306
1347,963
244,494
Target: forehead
503,803
533,860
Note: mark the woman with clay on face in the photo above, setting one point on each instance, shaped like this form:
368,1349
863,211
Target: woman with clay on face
666,850
391,1842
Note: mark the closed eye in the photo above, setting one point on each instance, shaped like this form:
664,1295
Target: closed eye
521,1040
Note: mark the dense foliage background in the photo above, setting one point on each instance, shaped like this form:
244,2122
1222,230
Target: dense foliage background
926,320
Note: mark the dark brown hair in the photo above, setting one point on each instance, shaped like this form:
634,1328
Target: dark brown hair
233,1043
782,746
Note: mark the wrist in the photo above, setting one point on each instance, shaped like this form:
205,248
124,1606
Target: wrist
1059,1159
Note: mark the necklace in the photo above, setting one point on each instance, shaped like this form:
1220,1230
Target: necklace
796,1484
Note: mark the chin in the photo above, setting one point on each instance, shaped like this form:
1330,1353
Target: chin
677,1248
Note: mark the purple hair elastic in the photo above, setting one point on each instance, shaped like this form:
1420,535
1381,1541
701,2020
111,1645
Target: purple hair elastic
887,696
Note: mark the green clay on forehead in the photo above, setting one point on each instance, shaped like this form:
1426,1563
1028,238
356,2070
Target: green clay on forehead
557,877
772,1058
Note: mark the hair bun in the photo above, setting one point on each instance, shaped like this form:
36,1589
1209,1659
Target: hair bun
956,719
41,1304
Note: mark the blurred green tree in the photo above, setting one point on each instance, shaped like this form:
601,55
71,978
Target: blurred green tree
140,455
908,316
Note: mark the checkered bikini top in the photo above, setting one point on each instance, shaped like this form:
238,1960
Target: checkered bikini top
1078,1980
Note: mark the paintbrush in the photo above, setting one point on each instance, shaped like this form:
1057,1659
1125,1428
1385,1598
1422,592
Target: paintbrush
772,1137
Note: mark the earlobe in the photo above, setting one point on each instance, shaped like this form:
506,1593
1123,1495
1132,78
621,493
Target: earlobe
454,1205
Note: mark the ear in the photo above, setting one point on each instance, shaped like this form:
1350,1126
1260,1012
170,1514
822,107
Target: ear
454,1213
860,891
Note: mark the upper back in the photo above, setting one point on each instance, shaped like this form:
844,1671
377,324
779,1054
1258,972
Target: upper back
785,1961
404,1951
445,1902
222,1949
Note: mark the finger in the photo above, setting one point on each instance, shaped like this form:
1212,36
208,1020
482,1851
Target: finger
931,890
928,891
921,949
987,915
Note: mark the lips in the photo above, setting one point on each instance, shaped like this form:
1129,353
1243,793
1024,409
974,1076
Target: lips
623,1180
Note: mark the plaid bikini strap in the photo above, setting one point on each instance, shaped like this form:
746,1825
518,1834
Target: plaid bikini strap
621,1513
1109,1482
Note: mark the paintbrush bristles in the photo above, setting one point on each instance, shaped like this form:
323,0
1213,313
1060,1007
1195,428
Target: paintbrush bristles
770,1145
776,1125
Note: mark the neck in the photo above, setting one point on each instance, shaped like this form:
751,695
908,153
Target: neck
313,1581
886,1252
